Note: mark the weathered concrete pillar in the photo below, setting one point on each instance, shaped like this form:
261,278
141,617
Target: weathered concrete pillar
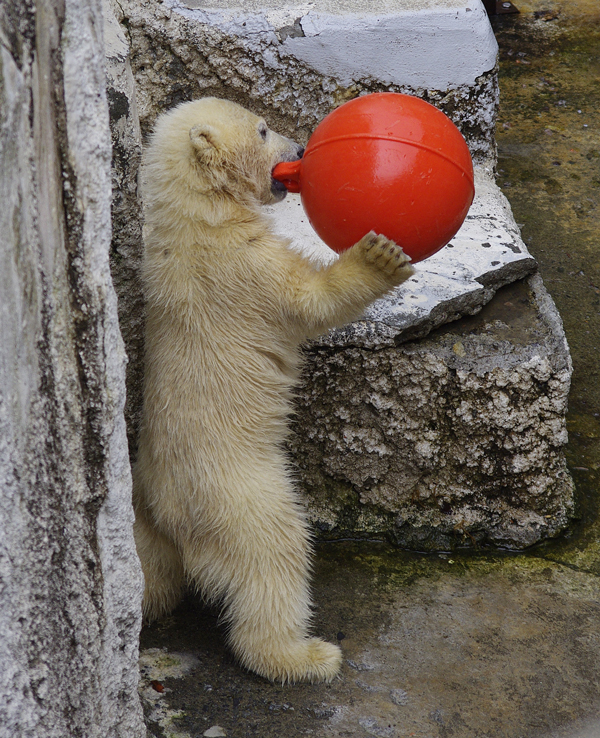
70,582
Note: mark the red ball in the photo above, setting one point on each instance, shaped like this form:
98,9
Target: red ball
388,163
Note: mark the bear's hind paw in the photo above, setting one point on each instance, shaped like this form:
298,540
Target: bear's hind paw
312,660
324,661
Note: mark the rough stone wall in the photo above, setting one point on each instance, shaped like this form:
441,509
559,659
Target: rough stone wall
127,243
453,440
70,582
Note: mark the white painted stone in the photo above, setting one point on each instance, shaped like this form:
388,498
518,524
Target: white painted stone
431,44
297,61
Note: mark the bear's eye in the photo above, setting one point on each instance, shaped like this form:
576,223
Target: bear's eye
263,130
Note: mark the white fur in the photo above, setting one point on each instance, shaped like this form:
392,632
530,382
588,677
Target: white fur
228,304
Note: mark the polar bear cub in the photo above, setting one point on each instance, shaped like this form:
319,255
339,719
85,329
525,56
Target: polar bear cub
228,304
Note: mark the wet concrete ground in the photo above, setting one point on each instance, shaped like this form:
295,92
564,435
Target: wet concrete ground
478,645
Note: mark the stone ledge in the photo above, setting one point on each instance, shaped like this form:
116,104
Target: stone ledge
429,44
485,254
455,439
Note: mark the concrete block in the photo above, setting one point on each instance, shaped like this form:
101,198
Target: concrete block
294,62
452,440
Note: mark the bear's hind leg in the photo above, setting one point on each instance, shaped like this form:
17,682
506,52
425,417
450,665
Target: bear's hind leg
258,565
162,568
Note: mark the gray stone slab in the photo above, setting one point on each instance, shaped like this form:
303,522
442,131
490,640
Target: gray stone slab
436,44
295,63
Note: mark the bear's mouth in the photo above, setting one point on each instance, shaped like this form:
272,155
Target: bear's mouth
278,190
281,186
277,186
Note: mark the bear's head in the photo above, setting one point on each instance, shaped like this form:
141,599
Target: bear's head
219,147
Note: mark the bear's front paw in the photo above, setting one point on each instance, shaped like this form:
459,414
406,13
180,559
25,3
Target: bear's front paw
386,256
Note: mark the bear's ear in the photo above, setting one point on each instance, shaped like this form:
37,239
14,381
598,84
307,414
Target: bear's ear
204,138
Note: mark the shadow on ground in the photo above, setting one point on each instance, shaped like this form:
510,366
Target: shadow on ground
482,645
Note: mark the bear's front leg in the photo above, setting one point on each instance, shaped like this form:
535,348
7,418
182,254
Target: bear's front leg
256,562
324,298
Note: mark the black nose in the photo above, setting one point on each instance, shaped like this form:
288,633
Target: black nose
300,152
